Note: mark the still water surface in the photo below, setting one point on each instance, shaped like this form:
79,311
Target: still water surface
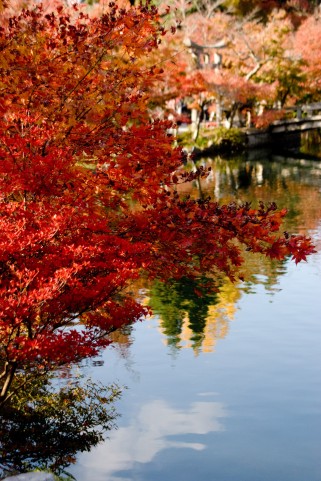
228,387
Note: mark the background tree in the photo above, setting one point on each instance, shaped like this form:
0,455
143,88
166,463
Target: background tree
306,46
262,63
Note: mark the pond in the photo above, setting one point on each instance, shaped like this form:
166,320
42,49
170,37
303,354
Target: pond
225,387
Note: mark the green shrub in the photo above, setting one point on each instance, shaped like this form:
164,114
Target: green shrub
219,139
231,139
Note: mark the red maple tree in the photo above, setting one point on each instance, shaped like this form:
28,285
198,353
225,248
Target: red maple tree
307,47
88,200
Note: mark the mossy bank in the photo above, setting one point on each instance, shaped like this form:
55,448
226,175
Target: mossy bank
214,141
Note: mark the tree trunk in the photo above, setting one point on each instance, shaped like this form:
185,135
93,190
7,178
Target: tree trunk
197,121
218,112
8,374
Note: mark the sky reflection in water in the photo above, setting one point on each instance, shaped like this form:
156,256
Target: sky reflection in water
157,427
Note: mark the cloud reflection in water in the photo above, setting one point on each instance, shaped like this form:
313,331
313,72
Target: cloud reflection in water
150,432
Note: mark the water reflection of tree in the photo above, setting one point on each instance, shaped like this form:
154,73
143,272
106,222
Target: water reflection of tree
197,322
291,183
45,427
179,300
194,313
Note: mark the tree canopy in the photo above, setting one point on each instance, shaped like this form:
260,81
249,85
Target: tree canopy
88,188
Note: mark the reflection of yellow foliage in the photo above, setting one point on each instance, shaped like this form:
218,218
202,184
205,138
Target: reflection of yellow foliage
186,334
217,321
219,315
120,337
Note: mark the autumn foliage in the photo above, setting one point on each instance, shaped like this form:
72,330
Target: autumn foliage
88,200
